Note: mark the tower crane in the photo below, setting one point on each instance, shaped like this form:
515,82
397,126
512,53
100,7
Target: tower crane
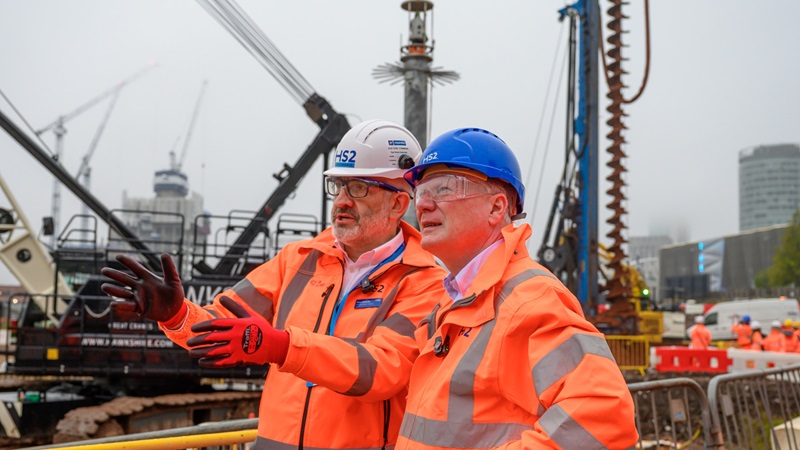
59,130
84,172
178,164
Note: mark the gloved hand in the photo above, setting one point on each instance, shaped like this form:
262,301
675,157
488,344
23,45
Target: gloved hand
235,342
148,295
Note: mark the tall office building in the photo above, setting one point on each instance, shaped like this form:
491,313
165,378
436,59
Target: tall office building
769,185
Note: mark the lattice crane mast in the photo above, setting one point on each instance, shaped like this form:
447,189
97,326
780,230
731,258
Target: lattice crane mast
59,130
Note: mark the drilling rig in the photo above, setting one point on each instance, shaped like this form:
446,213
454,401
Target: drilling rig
597,274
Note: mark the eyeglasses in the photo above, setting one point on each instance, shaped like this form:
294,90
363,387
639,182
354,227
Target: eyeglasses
355,187
449,187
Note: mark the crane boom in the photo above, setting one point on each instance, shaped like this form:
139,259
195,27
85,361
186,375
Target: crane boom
332,125
84,168
176,165
85,196
79,110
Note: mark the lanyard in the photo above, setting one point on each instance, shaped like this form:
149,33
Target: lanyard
337,309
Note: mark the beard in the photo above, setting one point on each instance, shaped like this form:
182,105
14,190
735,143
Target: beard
366,226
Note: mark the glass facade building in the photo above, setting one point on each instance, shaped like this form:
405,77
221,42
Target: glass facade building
769,185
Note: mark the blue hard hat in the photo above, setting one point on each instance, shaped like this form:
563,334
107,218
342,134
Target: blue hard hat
746,318
476,149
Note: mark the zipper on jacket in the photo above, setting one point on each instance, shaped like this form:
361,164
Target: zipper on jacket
387,412
325,296
303,422
457,304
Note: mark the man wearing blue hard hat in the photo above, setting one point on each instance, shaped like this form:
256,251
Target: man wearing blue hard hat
506,356
743,332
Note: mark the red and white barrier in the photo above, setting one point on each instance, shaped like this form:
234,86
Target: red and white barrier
714,360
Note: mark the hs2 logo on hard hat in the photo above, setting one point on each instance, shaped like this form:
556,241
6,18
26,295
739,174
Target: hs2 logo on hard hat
431,157
345,158
397,142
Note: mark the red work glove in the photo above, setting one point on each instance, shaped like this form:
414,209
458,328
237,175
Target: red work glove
148,295
235,342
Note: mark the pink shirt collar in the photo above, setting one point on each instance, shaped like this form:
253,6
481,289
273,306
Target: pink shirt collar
456,286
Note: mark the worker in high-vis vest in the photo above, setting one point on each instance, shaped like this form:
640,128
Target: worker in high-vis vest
700,335
743,332
334,315
507,359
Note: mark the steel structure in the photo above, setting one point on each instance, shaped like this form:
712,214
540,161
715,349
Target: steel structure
573,253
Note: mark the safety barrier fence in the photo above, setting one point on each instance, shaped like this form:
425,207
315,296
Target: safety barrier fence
630,352
673,413
758,409
753,410
715,360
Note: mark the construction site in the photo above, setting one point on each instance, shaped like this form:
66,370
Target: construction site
222,198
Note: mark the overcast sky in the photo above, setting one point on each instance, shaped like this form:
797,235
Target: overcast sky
724,77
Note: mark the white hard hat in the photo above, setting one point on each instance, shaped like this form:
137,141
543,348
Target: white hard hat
375,148
755,324
699,319
775,324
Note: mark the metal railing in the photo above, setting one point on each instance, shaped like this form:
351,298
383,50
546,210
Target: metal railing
752,410
758,409
689,423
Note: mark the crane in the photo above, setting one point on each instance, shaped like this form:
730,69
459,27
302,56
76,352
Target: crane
177,164
332,125
57,126
85,171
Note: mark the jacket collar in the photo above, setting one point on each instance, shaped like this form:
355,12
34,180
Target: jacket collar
478,307
513,248
412,256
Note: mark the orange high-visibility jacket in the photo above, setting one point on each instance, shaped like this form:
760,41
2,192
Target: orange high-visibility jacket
774,342
790,342
743,331
347,391
515,364
701,337
757,338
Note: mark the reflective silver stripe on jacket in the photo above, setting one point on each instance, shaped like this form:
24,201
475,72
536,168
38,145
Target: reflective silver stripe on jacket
566,432
254,298
268,444
430,321
367,365
565,358
461,404
440,433
296,286
459,431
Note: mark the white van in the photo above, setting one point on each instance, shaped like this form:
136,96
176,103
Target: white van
720,318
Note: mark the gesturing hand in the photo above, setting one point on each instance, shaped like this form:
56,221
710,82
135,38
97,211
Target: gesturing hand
234,342
148,295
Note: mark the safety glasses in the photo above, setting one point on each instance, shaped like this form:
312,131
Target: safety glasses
355,187
450,187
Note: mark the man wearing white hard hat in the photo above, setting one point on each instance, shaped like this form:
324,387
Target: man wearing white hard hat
757,337
334,316
701,336
775,341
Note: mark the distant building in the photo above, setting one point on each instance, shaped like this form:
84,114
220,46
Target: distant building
643,255
769,185
169,221
722,267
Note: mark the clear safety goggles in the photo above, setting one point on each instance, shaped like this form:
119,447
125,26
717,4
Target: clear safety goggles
355,187
449,187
